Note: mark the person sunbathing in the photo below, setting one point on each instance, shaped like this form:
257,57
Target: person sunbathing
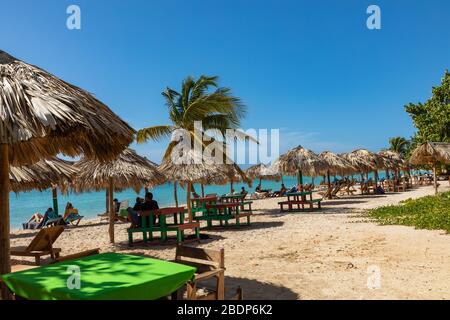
71,214
34,222
281,192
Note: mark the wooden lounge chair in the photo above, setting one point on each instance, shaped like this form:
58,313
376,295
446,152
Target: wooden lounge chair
41,245
78,255
210,264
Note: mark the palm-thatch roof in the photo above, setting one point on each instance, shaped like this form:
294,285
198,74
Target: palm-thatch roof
191,167
337,164
42,116
300,159
392,160
42,175
128,170
261,171
363,160
431,152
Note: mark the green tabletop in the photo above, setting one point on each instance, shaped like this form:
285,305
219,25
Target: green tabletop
107,276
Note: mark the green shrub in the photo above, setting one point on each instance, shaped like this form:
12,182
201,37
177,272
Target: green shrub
431,212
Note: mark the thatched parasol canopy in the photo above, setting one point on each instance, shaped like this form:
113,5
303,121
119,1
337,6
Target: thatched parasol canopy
301,160
363,160
337,164
190,167
431,152
392,160
261,171
42,175
128,170
41,116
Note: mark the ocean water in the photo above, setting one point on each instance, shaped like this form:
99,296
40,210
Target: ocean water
24,205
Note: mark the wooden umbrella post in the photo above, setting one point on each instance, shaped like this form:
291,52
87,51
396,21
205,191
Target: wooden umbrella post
5,259
107,201
329,185
175,195
188,201
435,178
55,199
203,190
112,211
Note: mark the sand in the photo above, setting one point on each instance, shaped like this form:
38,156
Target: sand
332,254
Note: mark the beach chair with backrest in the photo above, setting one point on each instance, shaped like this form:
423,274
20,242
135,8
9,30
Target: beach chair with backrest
78,255
41,245
210,265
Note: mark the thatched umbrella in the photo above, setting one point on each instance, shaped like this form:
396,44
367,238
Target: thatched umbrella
42,116
300,161
261,171
431,153
128,170
45,174
392,160
190,167
336,165
42,175
365,161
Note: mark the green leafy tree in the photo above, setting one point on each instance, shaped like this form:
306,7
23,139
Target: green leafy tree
432,119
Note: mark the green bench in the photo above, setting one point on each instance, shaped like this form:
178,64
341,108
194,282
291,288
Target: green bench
163,227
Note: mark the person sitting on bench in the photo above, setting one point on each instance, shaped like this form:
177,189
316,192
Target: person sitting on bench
148,205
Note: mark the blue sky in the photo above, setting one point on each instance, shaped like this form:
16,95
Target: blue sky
309,68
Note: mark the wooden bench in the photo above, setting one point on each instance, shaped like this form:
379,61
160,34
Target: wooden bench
210,265
299,203
179,227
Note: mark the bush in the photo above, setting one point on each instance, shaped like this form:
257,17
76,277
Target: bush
431,212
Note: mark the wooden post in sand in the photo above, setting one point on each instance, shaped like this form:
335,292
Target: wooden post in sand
175,195
203,190
55,199
188,201
5,259
435,177
107,201
112,211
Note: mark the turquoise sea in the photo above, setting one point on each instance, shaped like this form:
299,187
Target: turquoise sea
23,205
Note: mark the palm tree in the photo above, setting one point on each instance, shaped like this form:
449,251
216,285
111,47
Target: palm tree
399,145
199,100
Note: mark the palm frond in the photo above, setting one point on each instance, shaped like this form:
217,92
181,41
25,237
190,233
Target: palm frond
155,133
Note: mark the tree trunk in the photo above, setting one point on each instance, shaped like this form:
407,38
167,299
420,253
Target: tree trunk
435,178
112,211
107,201
5,259
188,201
175,195
55,199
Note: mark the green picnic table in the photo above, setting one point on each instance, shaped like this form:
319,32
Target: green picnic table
107,276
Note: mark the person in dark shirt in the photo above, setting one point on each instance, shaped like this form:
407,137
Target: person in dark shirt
150,205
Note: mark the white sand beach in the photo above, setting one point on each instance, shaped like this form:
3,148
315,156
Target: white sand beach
320,255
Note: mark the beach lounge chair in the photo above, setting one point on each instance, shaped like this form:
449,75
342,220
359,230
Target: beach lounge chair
41,245
210,264
78,255
52,219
